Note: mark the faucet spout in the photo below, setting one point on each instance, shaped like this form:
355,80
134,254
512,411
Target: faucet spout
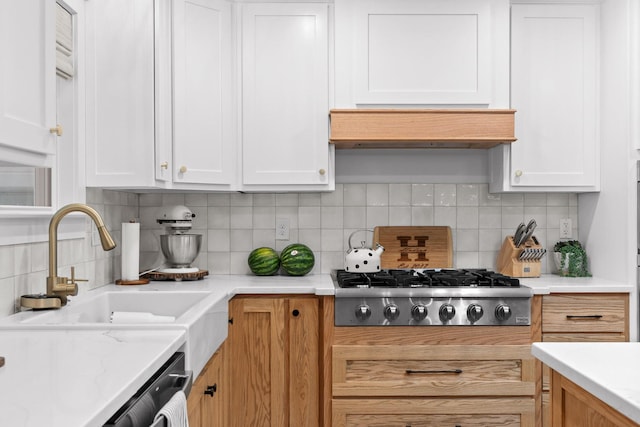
62,286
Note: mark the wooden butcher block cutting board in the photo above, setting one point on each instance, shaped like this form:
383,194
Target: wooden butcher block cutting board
415,246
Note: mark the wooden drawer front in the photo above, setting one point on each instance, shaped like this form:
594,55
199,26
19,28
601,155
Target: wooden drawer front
448,420
443,370
433,413
585,313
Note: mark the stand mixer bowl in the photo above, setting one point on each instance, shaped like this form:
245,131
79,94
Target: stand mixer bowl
180,249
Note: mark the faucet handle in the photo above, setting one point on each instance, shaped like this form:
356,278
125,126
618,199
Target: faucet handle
73,277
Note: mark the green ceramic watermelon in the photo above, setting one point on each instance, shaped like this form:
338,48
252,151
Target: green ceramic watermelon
264,261
297,259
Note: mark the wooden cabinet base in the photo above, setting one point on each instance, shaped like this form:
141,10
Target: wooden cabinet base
564,320
272,360
572,406
517,412
207,401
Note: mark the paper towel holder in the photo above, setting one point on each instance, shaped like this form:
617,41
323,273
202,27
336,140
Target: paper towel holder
131,277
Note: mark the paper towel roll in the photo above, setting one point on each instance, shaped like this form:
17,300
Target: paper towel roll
139,317
130,250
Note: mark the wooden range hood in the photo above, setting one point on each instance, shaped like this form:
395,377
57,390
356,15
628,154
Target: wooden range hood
421,128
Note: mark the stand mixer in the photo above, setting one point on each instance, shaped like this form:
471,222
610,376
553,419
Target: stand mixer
179,247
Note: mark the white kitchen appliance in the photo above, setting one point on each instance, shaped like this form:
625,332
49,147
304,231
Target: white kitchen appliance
179,247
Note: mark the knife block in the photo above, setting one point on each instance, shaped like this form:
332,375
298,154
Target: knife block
509,264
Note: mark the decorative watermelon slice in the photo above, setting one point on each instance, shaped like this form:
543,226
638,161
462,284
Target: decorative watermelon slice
297,259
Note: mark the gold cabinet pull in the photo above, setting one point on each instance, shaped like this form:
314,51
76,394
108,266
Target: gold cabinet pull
518,173
57,130
164,165
322,171
183,169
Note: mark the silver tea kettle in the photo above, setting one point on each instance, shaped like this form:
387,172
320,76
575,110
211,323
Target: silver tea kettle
363,259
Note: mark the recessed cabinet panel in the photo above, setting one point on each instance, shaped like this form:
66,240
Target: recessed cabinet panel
27,75
285,94
120,93
415,52
554,89
202,92
409,52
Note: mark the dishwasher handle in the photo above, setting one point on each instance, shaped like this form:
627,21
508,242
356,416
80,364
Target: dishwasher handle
186,380
142,408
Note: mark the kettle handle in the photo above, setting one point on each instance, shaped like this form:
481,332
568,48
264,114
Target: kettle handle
357,231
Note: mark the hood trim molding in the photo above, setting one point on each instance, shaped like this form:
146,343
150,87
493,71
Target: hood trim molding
421,128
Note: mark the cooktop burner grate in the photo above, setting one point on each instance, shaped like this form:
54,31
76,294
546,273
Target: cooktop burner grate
434,278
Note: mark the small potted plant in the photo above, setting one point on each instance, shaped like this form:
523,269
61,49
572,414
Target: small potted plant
571,259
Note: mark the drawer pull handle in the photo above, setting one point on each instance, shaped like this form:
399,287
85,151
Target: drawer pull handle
444,371
585,317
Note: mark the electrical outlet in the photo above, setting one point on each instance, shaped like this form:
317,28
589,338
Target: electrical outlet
282,228
565,228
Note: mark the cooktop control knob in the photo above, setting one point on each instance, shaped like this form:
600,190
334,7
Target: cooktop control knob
419,312
363,312
503,312
391,312
474,312
447,312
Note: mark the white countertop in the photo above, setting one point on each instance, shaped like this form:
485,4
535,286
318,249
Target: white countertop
609,371
550,283
81,377
78,378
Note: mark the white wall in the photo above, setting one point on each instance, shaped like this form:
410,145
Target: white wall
608,220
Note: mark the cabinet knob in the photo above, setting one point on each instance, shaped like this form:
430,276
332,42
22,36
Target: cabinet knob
211,390
164,165
57,130
518,173
183,169
322,171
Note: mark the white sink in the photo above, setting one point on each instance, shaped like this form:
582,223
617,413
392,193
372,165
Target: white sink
203,316
98,308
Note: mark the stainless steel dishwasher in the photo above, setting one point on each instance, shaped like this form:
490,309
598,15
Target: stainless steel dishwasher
142,407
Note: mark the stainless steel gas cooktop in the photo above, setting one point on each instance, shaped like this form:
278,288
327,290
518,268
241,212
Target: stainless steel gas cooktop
460,297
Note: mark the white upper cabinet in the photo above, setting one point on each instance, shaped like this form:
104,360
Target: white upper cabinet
120,93
285,97
203,127
169,108
159,94
416,52
27,77
554,88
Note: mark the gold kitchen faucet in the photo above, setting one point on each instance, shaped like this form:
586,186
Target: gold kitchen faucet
58,288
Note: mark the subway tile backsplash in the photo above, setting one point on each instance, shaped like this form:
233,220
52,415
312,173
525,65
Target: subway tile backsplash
232,224
237,223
